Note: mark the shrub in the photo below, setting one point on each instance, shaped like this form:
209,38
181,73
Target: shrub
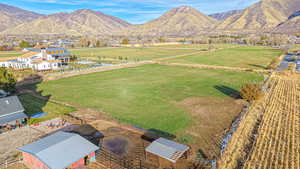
7,80
251,92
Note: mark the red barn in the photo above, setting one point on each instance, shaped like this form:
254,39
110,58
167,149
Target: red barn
59,151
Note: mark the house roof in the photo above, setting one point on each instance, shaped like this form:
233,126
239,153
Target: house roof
167,149
11,109
28,54
9,105
3,59
60,150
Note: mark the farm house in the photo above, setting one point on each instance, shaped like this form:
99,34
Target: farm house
169,153
11,111
59,151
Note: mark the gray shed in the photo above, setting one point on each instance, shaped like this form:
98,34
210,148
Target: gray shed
11,110
167,149
58,151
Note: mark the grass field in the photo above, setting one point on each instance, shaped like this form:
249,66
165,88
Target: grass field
10,53
199,46
247,57
145,95
129,53
35,105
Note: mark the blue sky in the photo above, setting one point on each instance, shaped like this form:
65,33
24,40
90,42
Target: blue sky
133,11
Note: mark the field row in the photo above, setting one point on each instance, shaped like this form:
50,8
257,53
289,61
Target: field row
278,141
268,136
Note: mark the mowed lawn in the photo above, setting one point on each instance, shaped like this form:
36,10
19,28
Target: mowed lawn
10,53
146,96
129,53
244,56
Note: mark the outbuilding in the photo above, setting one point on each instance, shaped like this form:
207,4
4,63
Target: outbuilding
11,111
168,152
59,151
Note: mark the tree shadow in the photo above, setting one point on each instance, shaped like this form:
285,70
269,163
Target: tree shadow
153,134
88,132
258,66
228,91
31,98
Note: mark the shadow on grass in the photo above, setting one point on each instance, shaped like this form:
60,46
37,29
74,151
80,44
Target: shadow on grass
32,100
153,134
228,91
258,66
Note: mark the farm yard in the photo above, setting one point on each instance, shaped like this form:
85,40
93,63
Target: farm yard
156,97
176,102
253,57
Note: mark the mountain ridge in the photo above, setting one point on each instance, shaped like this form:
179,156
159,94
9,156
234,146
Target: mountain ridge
79,22
184,20
263,15
11,16
224,15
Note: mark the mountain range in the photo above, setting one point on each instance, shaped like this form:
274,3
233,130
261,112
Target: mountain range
80,22
280,16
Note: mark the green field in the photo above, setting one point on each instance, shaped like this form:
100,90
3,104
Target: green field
35,105
199,46
246,57
145,96
128,53
10,53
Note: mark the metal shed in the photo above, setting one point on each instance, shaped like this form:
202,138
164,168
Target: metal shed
58,151
167,149
11,110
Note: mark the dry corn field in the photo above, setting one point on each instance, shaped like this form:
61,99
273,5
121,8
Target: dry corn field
268,137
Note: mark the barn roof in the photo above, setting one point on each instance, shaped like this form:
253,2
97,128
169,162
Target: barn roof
167,149
11,109
60,150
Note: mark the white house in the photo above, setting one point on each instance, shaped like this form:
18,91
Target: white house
44,60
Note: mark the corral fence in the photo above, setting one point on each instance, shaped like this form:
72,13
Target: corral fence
73,119
110,160
9,163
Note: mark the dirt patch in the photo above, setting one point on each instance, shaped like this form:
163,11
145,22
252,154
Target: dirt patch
118,145
212,117
207,107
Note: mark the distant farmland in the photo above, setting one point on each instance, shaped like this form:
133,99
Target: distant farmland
243,56
131,54
10,53
175,100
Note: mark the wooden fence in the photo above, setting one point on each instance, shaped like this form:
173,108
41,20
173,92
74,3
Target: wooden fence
112,161
8,163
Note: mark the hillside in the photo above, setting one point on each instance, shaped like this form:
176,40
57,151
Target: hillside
80,22
263,15
184,20
291,26
12,16
224,15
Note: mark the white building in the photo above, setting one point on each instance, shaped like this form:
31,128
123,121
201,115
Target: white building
40,61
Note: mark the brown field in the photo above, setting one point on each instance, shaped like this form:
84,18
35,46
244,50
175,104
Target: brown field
271,141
